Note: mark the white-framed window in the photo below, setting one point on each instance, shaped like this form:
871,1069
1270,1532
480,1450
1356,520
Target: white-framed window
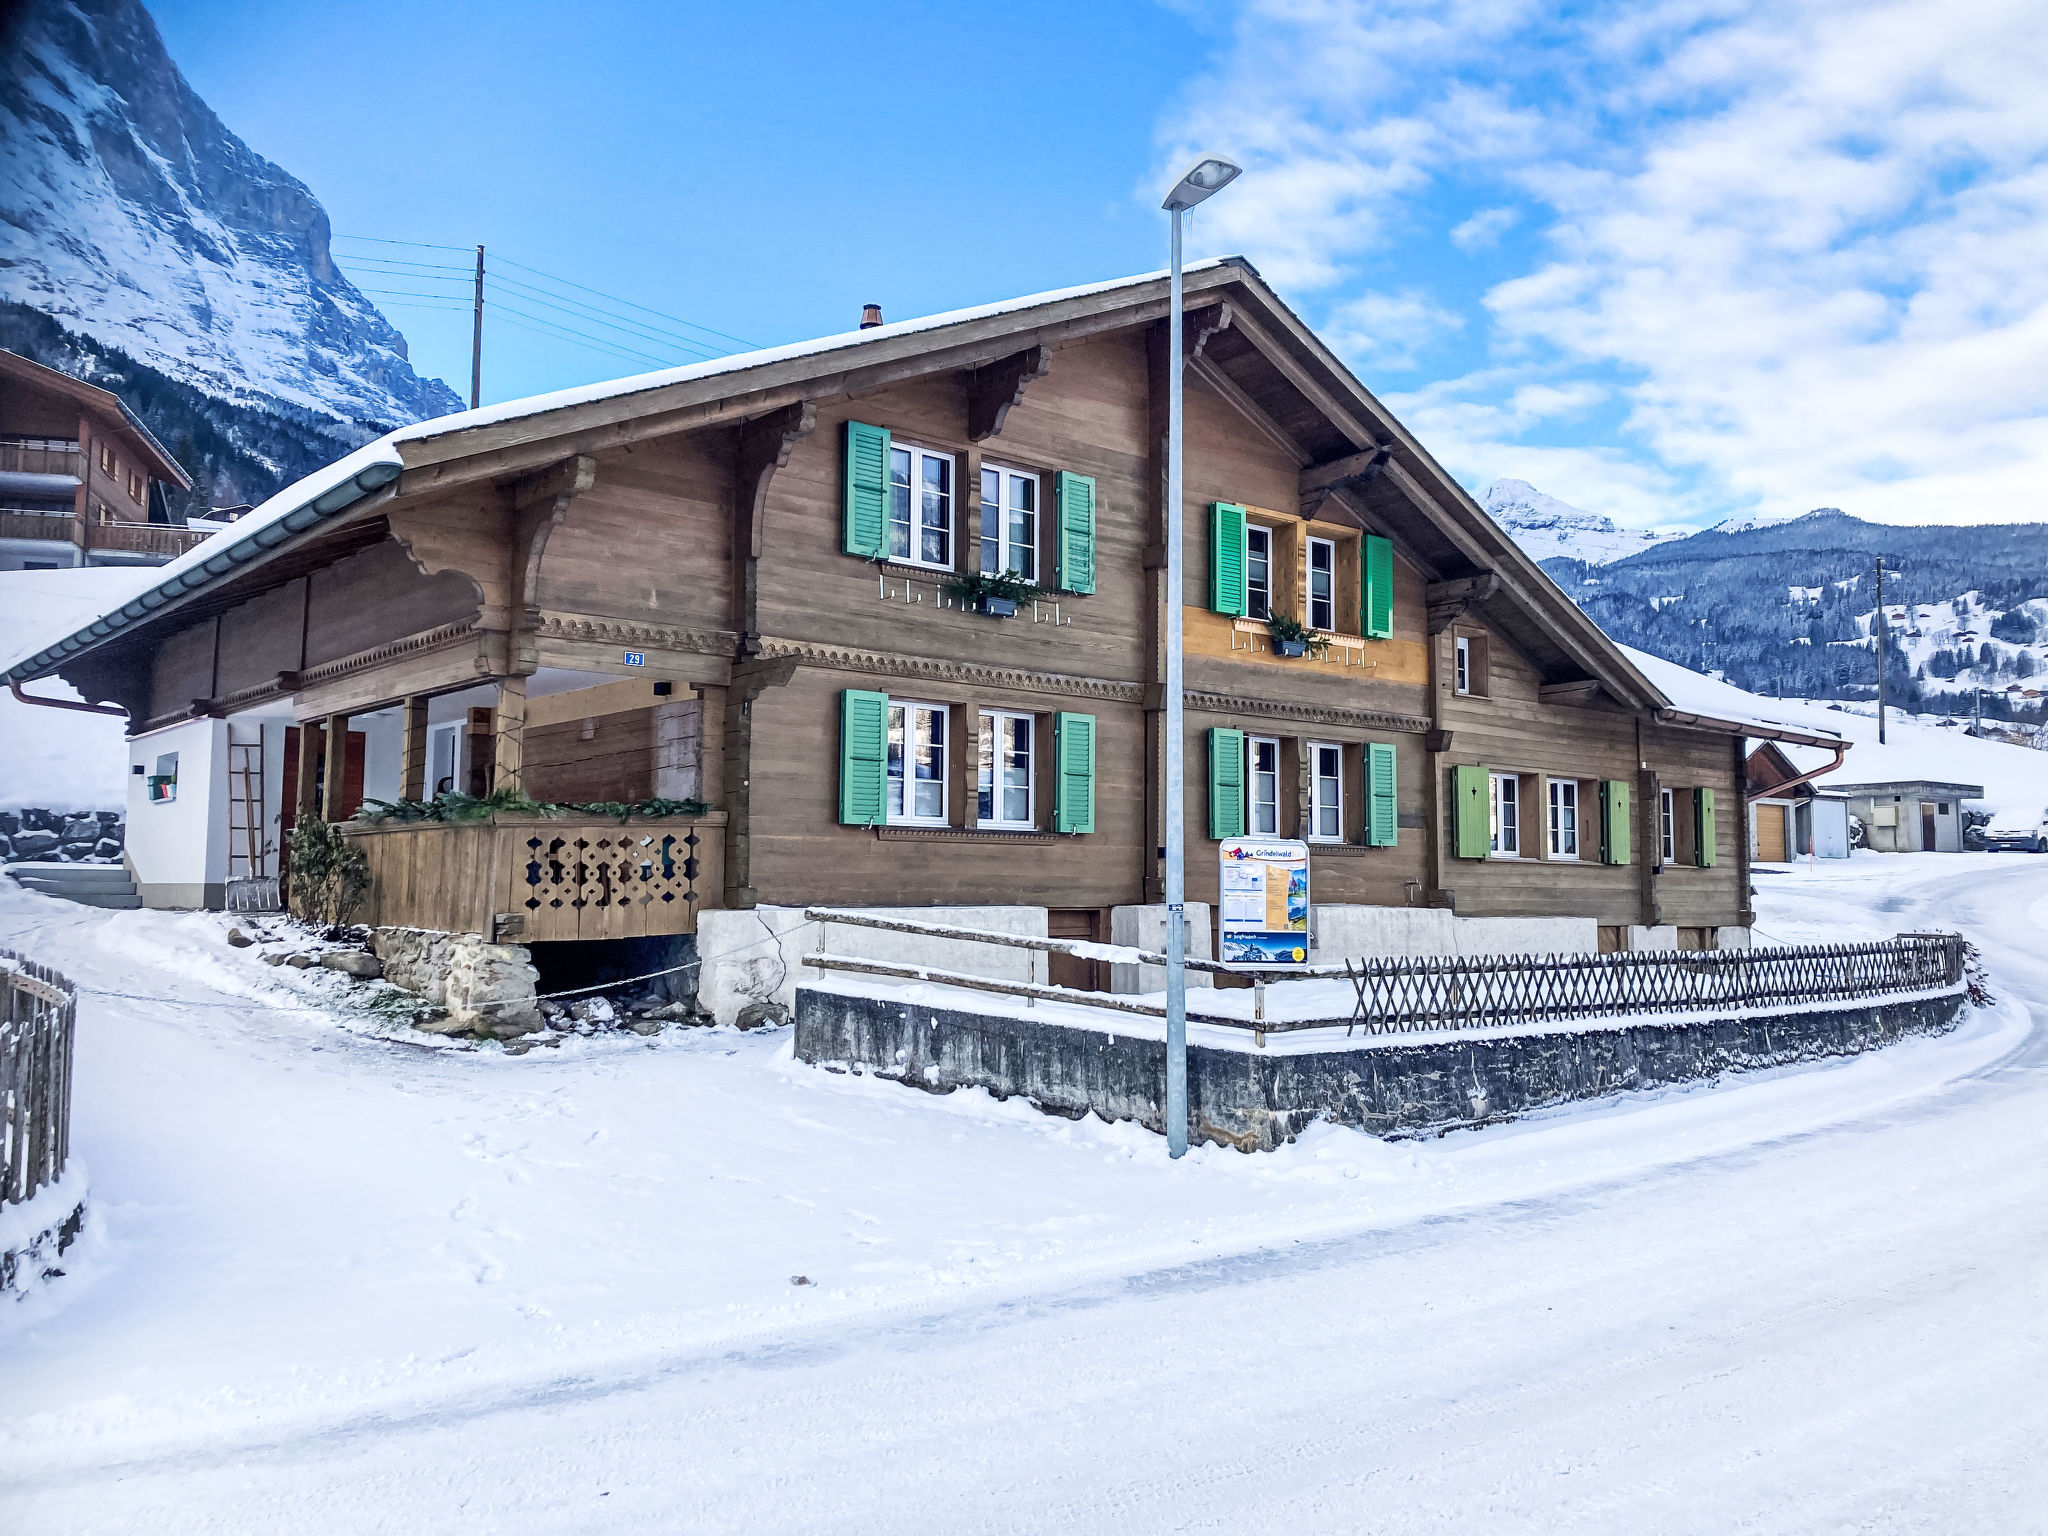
1009,522
444,758
1005,783
1262,785
1326,792
1464,645
1564,818
1507,816
1322,584
1669,822
920,506
917,763
1258,571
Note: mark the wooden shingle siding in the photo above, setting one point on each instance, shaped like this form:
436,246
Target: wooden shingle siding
610,758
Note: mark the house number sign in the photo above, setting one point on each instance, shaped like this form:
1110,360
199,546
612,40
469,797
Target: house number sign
636,658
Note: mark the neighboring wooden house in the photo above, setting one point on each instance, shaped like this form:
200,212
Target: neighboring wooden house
741,581
81,478
1788,817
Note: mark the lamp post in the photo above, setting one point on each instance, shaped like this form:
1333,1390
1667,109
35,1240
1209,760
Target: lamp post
1209,174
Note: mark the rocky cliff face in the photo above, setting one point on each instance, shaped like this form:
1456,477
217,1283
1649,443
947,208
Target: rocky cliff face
132,216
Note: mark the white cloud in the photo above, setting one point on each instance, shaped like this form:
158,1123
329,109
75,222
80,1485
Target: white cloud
1484,228
1799,242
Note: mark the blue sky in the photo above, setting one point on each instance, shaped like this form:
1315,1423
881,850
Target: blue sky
1670,261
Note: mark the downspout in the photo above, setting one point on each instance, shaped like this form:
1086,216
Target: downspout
1775,790
89,709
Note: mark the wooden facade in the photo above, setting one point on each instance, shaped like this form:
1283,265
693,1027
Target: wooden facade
691,536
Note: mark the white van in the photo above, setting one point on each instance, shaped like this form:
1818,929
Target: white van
2018,832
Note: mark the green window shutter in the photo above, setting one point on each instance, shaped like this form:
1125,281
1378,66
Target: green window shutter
1376,591
1226,562
1073,744
1614,821
1383,824
1703,827
1471,811
1077,534
863,757
867,489
1226,783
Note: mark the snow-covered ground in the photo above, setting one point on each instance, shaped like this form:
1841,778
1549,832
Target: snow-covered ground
339,1278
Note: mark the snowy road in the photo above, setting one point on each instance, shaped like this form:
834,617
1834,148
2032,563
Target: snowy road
1809,1301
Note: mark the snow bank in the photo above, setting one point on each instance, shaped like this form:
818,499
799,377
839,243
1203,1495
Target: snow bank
58,758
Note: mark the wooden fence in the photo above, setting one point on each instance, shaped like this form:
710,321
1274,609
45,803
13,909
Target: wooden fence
38,1011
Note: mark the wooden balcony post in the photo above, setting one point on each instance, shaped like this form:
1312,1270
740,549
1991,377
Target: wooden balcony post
412,772
305,801
335,784
508,758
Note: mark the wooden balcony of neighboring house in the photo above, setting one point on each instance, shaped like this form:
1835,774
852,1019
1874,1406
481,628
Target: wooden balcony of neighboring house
541,879
155,542
27,523
39,456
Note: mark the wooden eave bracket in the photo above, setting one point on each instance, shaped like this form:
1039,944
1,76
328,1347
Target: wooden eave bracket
766,443
1319,482
1449,601
539,504
994,388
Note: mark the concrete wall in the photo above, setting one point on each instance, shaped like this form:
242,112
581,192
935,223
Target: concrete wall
1339,933
178,851
751,958
1145,928
1255,1100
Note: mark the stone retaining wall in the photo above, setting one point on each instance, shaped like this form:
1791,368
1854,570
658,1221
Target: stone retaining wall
487,988
1254,1100
72,837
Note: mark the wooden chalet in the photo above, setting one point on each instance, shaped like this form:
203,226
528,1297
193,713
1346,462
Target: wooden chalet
743,581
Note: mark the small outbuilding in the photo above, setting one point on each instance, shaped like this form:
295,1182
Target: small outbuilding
1910,815
1788,817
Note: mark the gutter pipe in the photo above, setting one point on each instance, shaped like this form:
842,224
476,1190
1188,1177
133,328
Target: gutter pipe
325,507
86,709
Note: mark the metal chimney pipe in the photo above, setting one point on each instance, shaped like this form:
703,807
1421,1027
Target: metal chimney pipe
870,316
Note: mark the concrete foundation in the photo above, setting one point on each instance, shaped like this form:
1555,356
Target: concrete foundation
1145,928
751,959
1254,1100
487,988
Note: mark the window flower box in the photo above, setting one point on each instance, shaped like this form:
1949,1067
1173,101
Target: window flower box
995,595
1291,638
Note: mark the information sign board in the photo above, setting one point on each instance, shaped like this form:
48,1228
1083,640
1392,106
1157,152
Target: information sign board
1263,914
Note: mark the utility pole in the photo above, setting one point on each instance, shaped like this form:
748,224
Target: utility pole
1881,636
476,338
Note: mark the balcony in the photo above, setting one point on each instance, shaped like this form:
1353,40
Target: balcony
533,880
22,523
144,543
39,456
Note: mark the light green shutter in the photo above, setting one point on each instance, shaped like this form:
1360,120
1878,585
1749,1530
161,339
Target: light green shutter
1614,821
1376,615
1073,745
1226,561
1471,811
1383,825
863,757
1703,827
867,489
1077,533
1226,784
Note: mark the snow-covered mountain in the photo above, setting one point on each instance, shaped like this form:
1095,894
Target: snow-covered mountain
131,215
1549,529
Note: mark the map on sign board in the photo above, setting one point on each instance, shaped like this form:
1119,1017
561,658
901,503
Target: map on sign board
1263,911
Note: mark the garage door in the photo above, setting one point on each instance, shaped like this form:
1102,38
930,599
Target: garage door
1770,834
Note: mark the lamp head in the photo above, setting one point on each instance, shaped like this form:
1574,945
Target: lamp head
1210,174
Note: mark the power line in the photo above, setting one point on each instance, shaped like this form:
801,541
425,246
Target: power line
419,244
445,301
584,341
663,314
583,312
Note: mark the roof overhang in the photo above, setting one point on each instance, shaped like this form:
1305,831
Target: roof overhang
1762,730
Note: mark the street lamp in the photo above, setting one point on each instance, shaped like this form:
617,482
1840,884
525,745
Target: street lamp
1207,175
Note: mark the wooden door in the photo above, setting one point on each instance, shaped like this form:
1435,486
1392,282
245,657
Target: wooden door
1770,834
1927,838
1074,923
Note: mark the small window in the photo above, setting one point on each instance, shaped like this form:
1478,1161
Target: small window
1464,664
106,458
1326,792
1507,816
1942,807
1668,821
921,507
1564,819
1258,571
1009,523
1262,781
1322,584
135,488
1005,782
917,763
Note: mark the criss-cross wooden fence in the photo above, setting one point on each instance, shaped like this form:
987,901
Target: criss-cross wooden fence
1403,995
38,1010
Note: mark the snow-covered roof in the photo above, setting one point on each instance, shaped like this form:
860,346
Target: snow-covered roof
1694,693
327,492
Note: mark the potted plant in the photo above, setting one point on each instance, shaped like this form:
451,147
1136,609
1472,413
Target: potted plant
995,594
1292,638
